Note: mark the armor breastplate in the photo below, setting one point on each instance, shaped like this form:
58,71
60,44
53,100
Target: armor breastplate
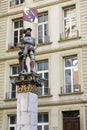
29,40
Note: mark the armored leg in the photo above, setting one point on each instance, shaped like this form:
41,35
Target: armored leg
32,61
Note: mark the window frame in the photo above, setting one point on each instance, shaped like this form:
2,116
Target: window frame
42,124
42,24
18,29
12,125
69,18
16,2
71,71
11,67
43,72
68,53
75,33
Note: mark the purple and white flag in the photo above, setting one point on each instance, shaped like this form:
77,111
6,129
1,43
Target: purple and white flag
30,15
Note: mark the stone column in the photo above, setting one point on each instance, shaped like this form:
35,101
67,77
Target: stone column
27,105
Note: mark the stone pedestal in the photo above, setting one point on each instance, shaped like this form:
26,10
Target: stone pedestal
27,111
27,101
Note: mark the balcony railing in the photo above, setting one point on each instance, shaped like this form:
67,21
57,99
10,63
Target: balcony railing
16,2
43,91
44,39
11,95
69,35
71,89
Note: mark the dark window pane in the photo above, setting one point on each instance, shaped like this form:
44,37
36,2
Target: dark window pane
68,88
16,40
68,62
46,75
12,128
39,66
15,36
40,40
15,33
40,19
45,17
71,114
16,24
21,1
39,127
21,23
40,28
13,94
14,70
12,120
16,2
21,34
46,127
39,118
46,90
13,87
46,82
46,65
68,77
46,29
45,117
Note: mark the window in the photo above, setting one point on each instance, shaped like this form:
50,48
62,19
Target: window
12,122
42,70
69,22
16,2
43,121
17,31
71,78
43,28
14,72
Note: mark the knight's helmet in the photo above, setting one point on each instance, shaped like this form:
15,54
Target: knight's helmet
27,33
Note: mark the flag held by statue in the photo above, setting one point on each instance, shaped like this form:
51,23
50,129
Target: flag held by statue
30,15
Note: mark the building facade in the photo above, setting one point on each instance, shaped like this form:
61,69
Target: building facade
61,58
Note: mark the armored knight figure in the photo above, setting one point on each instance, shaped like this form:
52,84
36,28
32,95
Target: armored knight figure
28,48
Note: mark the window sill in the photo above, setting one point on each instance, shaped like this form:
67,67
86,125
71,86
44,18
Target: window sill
13,49
16,5
69,39
44,44
12,99
73,93
45,96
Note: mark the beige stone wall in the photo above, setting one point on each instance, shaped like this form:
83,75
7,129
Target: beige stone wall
83,18
1,119
84,64
3,36
3,6
2,83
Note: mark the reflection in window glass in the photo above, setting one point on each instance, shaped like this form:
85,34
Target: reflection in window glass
71,73
69,21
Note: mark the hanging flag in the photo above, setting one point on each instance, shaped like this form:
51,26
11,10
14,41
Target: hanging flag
30,15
